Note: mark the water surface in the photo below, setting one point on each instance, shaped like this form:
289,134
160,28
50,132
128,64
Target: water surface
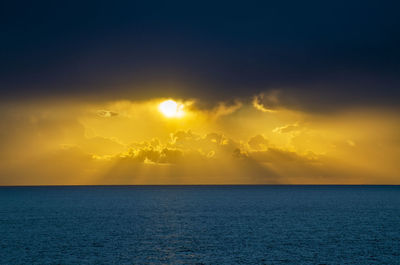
200,225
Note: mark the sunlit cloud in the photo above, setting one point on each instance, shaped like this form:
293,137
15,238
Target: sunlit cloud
106,113
267,102
286,128
132,142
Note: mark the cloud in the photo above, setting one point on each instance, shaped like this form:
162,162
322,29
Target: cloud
106,113
183,147
237,59
268,101
224,108
154,155
276,155
140,146
217,143
258,142
287,128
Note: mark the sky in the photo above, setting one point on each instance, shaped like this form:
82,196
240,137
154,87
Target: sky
263,92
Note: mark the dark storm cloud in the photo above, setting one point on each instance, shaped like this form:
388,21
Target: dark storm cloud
322,54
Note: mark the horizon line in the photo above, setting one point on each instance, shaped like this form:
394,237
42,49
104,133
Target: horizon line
188,185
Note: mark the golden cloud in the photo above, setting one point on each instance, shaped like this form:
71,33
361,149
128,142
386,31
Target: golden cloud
76,144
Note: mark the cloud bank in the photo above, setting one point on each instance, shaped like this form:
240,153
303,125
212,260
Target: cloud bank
125,142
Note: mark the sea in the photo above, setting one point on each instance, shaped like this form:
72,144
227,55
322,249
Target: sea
200,225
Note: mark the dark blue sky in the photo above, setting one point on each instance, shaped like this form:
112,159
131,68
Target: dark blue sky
324,54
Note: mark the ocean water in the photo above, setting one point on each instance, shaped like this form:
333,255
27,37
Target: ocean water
200,225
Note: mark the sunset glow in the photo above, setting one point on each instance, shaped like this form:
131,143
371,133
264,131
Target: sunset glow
171,109
269,94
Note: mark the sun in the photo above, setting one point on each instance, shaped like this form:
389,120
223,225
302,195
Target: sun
171,109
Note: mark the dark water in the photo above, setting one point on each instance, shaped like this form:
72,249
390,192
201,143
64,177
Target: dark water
206,224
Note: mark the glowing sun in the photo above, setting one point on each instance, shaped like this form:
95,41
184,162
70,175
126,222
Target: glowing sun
171,109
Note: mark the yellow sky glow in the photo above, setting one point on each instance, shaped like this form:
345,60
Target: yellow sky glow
165,141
